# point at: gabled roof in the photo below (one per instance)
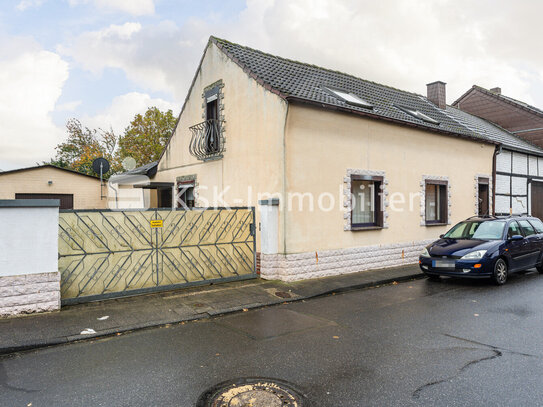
(37, 167)
(503, 98)
(297, 81)
(493, 131)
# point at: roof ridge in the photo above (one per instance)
(217, 39)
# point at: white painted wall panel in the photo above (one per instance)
(28, 241)
(540, 162)
(502, 204)
(520, 205)
(519, 186)
(520, 163)
(503, 161)
(532, 164)
(503, 184)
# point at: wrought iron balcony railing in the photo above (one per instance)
(207, 141)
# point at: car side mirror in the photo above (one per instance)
(516, 238)
(441, 236)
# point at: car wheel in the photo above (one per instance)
(433, 277)
(539, 268)
(500, 272)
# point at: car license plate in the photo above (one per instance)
(444, 264)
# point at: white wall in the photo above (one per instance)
(28, 240)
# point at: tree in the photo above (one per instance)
(143, 140)
(146, 136)
(83, 146)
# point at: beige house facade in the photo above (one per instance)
(73, 189)
(363, 176)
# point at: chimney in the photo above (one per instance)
(497, 91)
(435, 92)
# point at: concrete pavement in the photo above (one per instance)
(105, 318)
(419, 343)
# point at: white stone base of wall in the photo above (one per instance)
(301, 266)
(29, 293)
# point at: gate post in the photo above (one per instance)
(29, 276)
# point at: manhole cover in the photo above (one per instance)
(253, 392)
(282, 294)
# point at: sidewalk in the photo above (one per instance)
(132, 313)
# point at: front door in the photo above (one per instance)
(537, 199)
(483, 197)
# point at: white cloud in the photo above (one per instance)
(31, 82)
(122, 110)
(68, 106)
(162, 57)
(399, 43)
(133, 7)
(25, 4)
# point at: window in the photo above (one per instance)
(185, 195)
(526, 228)
(418, 114)
(537, 224)
(349, 98)
(212, 145)
(436, 203)
(366, 206)
(485, 230)
(514, 230)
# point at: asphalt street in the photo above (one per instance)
(450, 343)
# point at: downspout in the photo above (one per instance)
(284, 192)
(497, 150)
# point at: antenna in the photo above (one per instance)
(100, 166)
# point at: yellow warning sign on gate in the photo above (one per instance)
(158, 223)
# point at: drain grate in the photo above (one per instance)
(254, 392)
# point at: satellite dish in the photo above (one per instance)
(129, 163)
(100, 166)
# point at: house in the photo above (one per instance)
(347, 174)
(519, 167)
(74, 190)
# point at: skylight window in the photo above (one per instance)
(349, 98)
(418, 115)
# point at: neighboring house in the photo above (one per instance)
(519, 166)
(254, 123)
(73, 189)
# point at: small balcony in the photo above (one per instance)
(207, 142)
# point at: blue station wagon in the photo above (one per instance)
(486, 247)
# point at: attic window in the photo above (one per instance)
(349, 98)
(418, 115)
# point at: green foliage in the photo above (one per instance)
(83, 146)
(144, 139)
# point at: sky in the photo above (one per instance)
(103, 61)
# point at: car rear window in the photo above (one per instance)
(537, 224)
(526, 228)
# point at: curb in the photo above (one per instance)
(206, 315)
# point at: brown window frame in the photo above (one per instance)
(443, 200)
(378, 203)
